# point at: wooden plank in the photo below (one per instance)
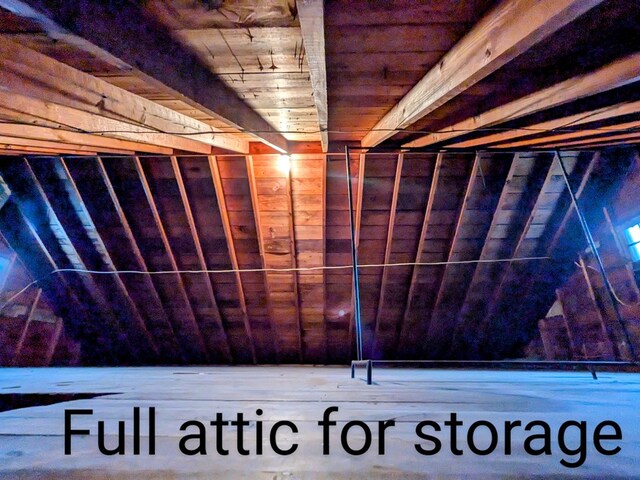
(153, 51)
(570, 121)
(508, 30)
(15, 106)
(69, 137)
(433, 330)
(25, 328)
(616, 74)
(226, 224)
(28, 143)
(423, 235)
(602, 139)
(201, 259)
(190, 321)
(33, 74)
(311, 15)
(387, 255)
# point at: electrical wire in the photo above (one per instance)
(262, 270)
(399, 130)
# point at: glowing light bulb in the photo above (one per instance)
(284, 164)
(341, 313)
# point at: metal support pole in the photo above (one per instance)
(354, 257)
(353, 370)
(369, 372)
(596, 254)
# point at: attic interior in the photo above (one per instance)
(175, 191)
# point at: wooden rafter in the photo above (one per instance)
(151, 49)
(65, 137)
(502, 279)
(82, 228)
(433, 331)
(387, 252)
(549, 126)
(488, 250)
(267, 282)
(224, 214)
(191, 322)
(404, 333)
(511, 28)
(616, 74)
(33, 74)
(311, 15)
(184, 197)
(595, 141)
(21, 108)
(357, 219)
(151, 298)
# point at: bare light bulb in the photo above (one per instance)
(284, 164)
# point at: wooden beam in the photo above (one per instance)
(311, 15)
(201, 259)
(98, 142)
(23, 150)
(26, 109)
(131, 35)
(66, 201)
(387, 254)
(559, 139)
(152, 300)
(357, 218)
(30, 73)
(616, 74)
(595, 141)
(224, 215)
(267, 283)
(508, 30)
(190, 322)
(28, 143)
(570, 121)
(404, 334)
(25, 328)
(433, 332)
(296, 275)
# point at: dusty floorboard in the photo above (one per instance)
(32, 439)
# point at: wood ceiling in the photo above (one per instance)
(147, 137)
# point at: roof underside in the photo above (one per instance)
(147, 139)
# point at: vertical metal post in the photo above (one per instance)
(354, 258)
(353, 369)
(369, 372)
(596, 254)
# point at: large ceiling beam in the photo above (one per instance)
(616, 74)
(122, 29)
(30, 73)
(557, 125)
(508, 30)
(311, 15)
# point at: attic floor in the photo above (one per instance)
(32, 439)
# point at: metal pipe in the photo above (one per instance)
(596, 254)
(354, 258)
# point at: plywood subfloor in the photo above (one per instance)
(32, 444)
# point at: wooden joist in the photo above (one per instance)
(616, 74)
(511, 28)
(202, 261)
(67, 137)
(132, 36)
(311, 14)
(549, 126)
